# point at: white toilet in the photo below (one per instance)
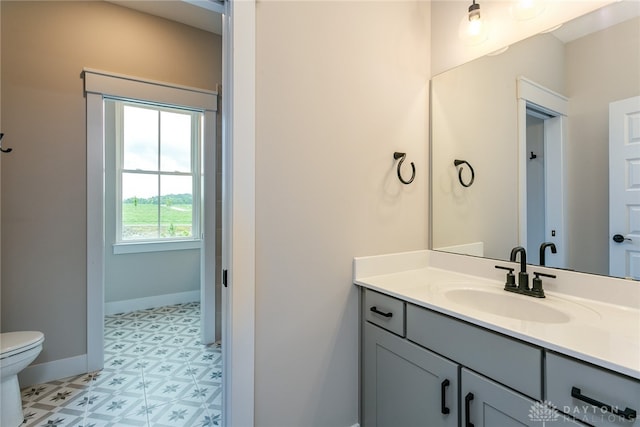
(17, 351)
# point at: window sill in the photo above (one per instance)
(140, 247)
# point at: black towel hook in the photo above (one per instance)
(457, 163)
(397, 155)
(4, 150)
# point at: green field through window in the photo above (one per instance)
(140, 221)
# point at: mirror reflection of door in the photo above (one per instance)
(624, 188)
(544, 192)
(535, 184)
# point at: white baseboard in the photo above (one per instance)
(127, 306)
(77, 365)
(55, 370)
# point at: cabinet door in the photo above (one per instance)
(485, 403)
(405, 385)
(593, 395)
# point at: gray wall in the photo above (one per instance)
(45, 46)
(141, 275)
(611, 56)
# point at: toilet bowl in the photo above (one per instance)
(17, 351)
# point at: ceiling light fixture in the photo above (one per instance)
(473, 27)
(474, 11)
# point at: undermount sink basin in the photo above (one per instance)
(502, 303)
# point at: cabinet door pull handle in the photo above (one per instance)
(381, 313)
(467, 404)
(628, 413)
(443, 397)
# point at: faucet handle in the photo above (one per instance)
(552, 276)
(537, 290)
(510, 282)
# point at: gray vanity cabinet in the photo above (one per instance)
(421, 368)
(488, 404)
(405, 385)
(514, 363)
(592, 394)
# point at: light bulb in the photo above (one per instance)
(473, 27)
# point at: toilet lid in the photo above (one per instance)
(17, 342)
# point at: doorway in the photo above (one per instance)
(100, 88)
(238, 216)
(543, 142)
(160, 204)
(541, 135)
(535, 184)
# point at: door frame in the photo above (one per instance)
(556, 106)
(238, 220)
(98, 85)
(238, 211)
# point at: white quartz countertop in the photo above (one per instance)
(603, 334)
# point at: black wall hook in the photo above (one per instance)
(397, 155)
(457, 163)
(4, 150)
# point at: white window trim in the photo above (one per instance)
(112, 85)
(122, 86)
(155, 246)
(196, 171)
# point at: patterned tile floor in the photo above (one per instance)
(156, 374)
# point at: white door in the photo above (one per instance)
(624, 188)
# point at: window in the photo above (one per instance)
(157, 172)
(114, 166)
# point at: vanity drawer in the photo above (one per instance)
(508, 361)
(385, 311)
(590, 386)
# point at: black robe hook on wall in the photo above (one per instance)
(4, 150)
(457, 163)
(402, 156)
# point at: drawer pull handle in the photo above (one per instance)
(381, 313)
(443, 398)
(628, 413)
(467, 403)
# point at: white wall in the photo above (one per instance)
(340, 86)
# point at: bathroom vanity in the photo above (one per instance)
(442, 344)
